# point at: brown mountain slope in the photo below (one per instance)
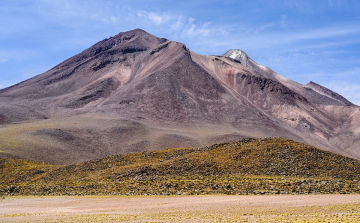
(135, 92)
(327, 92)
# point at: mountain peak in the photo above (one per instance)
(238, 55)
(135, 31)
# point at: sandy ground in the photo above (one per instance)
(182, 208)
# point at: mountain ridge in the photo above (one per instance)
(328, 92)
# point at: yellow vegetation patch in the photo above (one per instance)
(249, 166)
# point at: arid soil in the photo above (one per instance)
(344, 208)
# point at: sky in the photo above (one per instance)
(303, 40)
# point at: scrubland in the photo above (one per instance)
(293, 182)
(246, 167)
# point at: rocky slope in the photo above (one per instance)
(135, 92)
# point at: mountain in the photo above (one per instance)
(135, 92)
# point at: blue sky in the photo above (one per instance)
(303, 40)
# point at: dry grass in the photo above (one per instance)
(249, 166)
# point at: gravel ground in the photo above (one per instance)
(282, 208)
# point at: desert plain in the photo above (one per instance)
(254, 208)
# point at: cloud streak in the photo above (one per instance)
(179, 25)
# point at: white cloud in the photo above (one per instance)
(191, 20)
(283, 21)
(177, 24)
(300, 38)
(187, 27)
(260, 28)
(194, 30)
(191, 30)
(113, 18)
(265, 27)
(156, 18)
(327, 32)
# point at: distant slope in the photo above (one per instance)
(328, 92)
(249, 166)
(319, 95)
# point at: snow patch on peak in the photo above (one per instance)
(246, 61)
(236, 55)
(233, 55)
(262, 67)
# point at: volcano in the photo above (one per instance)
(135, 92)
